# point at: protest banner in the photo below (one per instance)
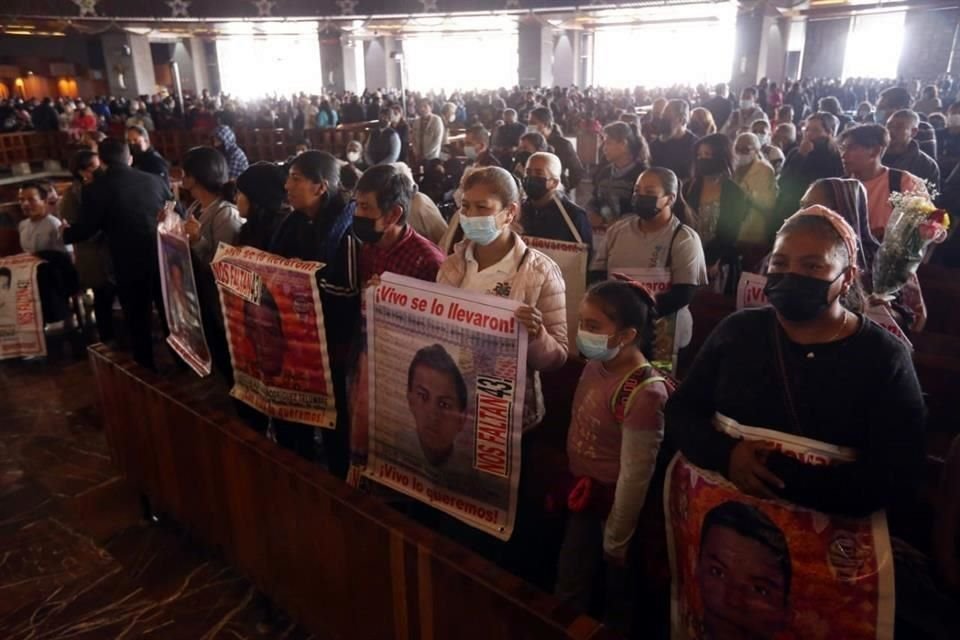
(750, 291)
(750, 294)
(746, 567)
(180, 300)
(572, 258)
(672, 332)
(274, 325)
(21, 317)
(447, 376)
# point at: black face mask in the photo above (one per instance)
(798, 298)
(365, 230)
(645, 206)
(710, 166)
(535, 187)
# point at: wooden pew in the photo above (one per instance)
(941, 293)
(340, 562)
(272, 145)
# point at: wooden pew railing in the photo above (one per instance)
(259, 144)
(340, 562)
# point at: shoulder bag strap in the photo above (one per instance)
(566, 217)
(784, 380)
(673, 239)
(895, 179)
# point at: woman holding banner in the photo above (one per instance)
(495, 260)
(658, 248)
(211, 219)
(319, 229)
(801, 406)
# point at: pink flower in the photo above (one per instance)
(928, 230)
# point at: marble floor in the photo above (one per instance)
(77, 558)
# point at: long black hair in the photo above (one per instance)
(208, 168)
(317, 167)
(671, 185)
(628, 132)
(630, 306)
(722, 148)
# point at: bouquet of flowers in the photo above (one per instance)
(914, 224)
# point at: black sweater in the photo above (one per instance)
(860, 392)
(327, 239)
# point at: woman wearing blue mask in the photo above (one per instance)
(493, 259)
(615, 434)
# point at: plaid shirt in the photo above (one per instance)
(412, 255)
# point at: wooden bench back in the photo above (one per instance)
(340, 562)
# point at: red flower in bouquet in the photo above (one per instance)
(940, 217)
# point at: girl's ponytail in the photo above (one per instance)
(630, 305)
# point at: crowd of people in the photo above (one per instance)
(693, 184)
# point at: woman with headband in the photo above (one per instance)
(807, 374)
(851, 382)
(848, 198)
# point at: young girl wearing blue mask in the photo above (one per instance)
(615, 434)
(493, 259)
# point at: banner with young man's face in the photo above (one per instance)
(447, 378)
(746, 567)
(21, 318)
(274, 326)
(180, 300)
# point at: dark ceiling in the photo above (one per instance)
(221, 9)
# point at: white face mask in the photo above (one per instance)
(744, 159)
(953, 120)
(352, 156)
(746, 104)
(532, 128)
(763, 138)
(471, 152)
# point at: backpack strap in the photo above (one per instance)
(895, 178)
(637, 379)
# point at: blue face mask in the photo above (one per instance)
(593, 346)
(480, 229)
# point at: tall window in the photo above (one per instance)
(663, 51)
(873, 45)
(465, 52)
(270, 58)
